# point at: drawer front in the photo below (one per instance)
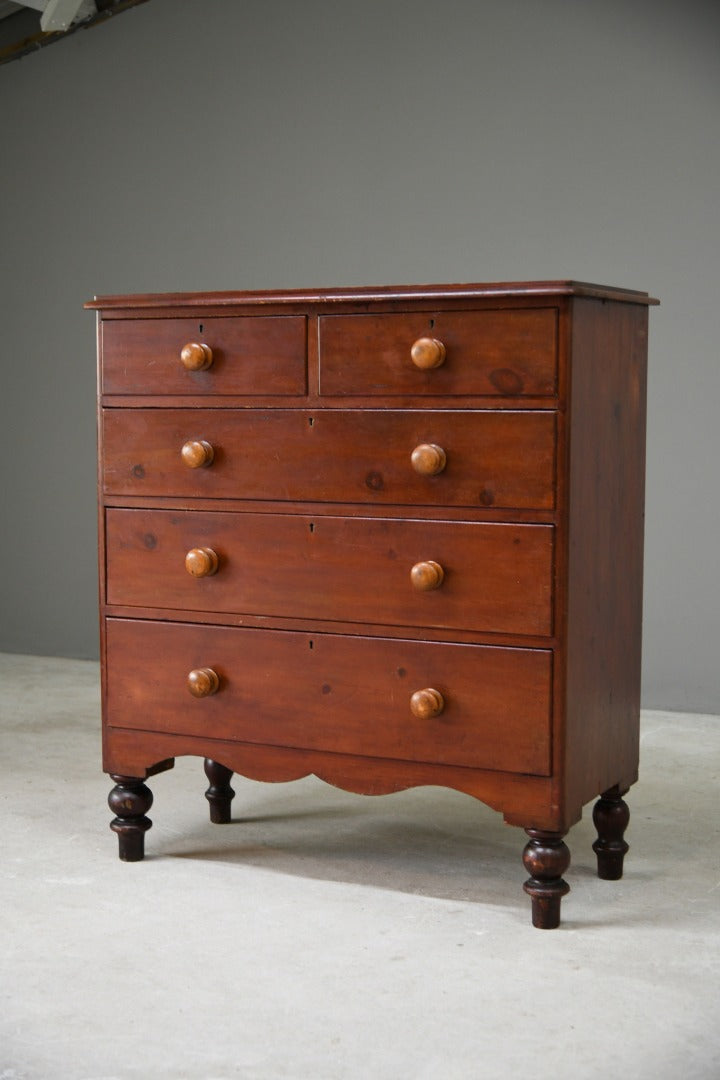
(254, 355)
(340, 694)
(503, 353)
(492, 577)
(501, 459)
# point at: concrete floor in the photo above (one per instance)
(325, 936)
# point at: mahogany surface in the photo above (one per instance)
(330, 690)
(388, 536)
(249, 356)
(496, 577)
(501, 459)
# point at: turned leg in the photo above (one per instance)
(219, 794)
(611, 815)
(546, 858)
(129, 800)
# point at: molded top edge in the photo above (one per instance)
(367, 293)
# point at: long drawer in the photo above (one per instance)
(496, 353)
(474, 576)
(482, 458)
(340, 694)
(254, 355)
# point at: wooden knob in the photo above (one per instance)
(197, 454)
(427, 575)
(427, 703)
(427, 353)
(201, 562)
(196, 357)
(203, 682)
(428, 459)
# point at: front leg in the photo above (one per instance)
(129, 800)
(546, 858)
(611, 815)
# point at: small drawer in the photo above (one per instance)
(476, 706)
(488, 458)
(450, 353)
(256, 355)
(494, 578)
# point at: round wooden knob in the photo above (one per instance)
(428, 459)
(197, 454)
(427, 575)
(427, 353)
(427, 703)
(196, 357)
(201, 562)
(203, 682)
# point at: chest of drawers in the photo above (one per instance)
(391, 537)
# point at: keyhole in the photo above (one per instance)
(312, 526)
(311, 420)
(311, 644)
(432, 323)
(201, 328)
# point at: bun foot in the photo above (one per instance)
(546, 857)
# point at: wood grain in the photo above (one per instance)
(249, 356)
(495, 577)
(333, 693)
(494, 459)
(485, 352)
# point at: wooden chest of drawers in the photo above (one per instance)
(388, 536)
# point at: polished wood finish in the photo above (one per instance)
(546, 858)
(494, 459)
(428, 353)
(219, 794)
(428, 459)
(130, 800)
(426, 704)
(382, 573)
(339, 691)
(197, 453)
(611, 815)
(427, 575)
(203, 682)
(199, 562)
(196, 356)
(248, 356)
(352, 570)
(452, 353)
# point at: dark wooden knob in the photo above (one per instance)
(197, 454)
(203, 682)
(196, 357)
(201, 562)
(427, 353)
(427, 575)
(427, 703)
(428, 459)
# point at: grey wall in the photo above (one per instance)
(217, 145)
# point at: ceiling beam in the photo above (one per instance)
(61, 14)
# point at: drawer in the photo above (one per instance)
(327, 692)
(505, 353)
(501, 459)
(492, 577)
(256, 355)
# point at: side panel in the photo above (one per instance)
(605, 547)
